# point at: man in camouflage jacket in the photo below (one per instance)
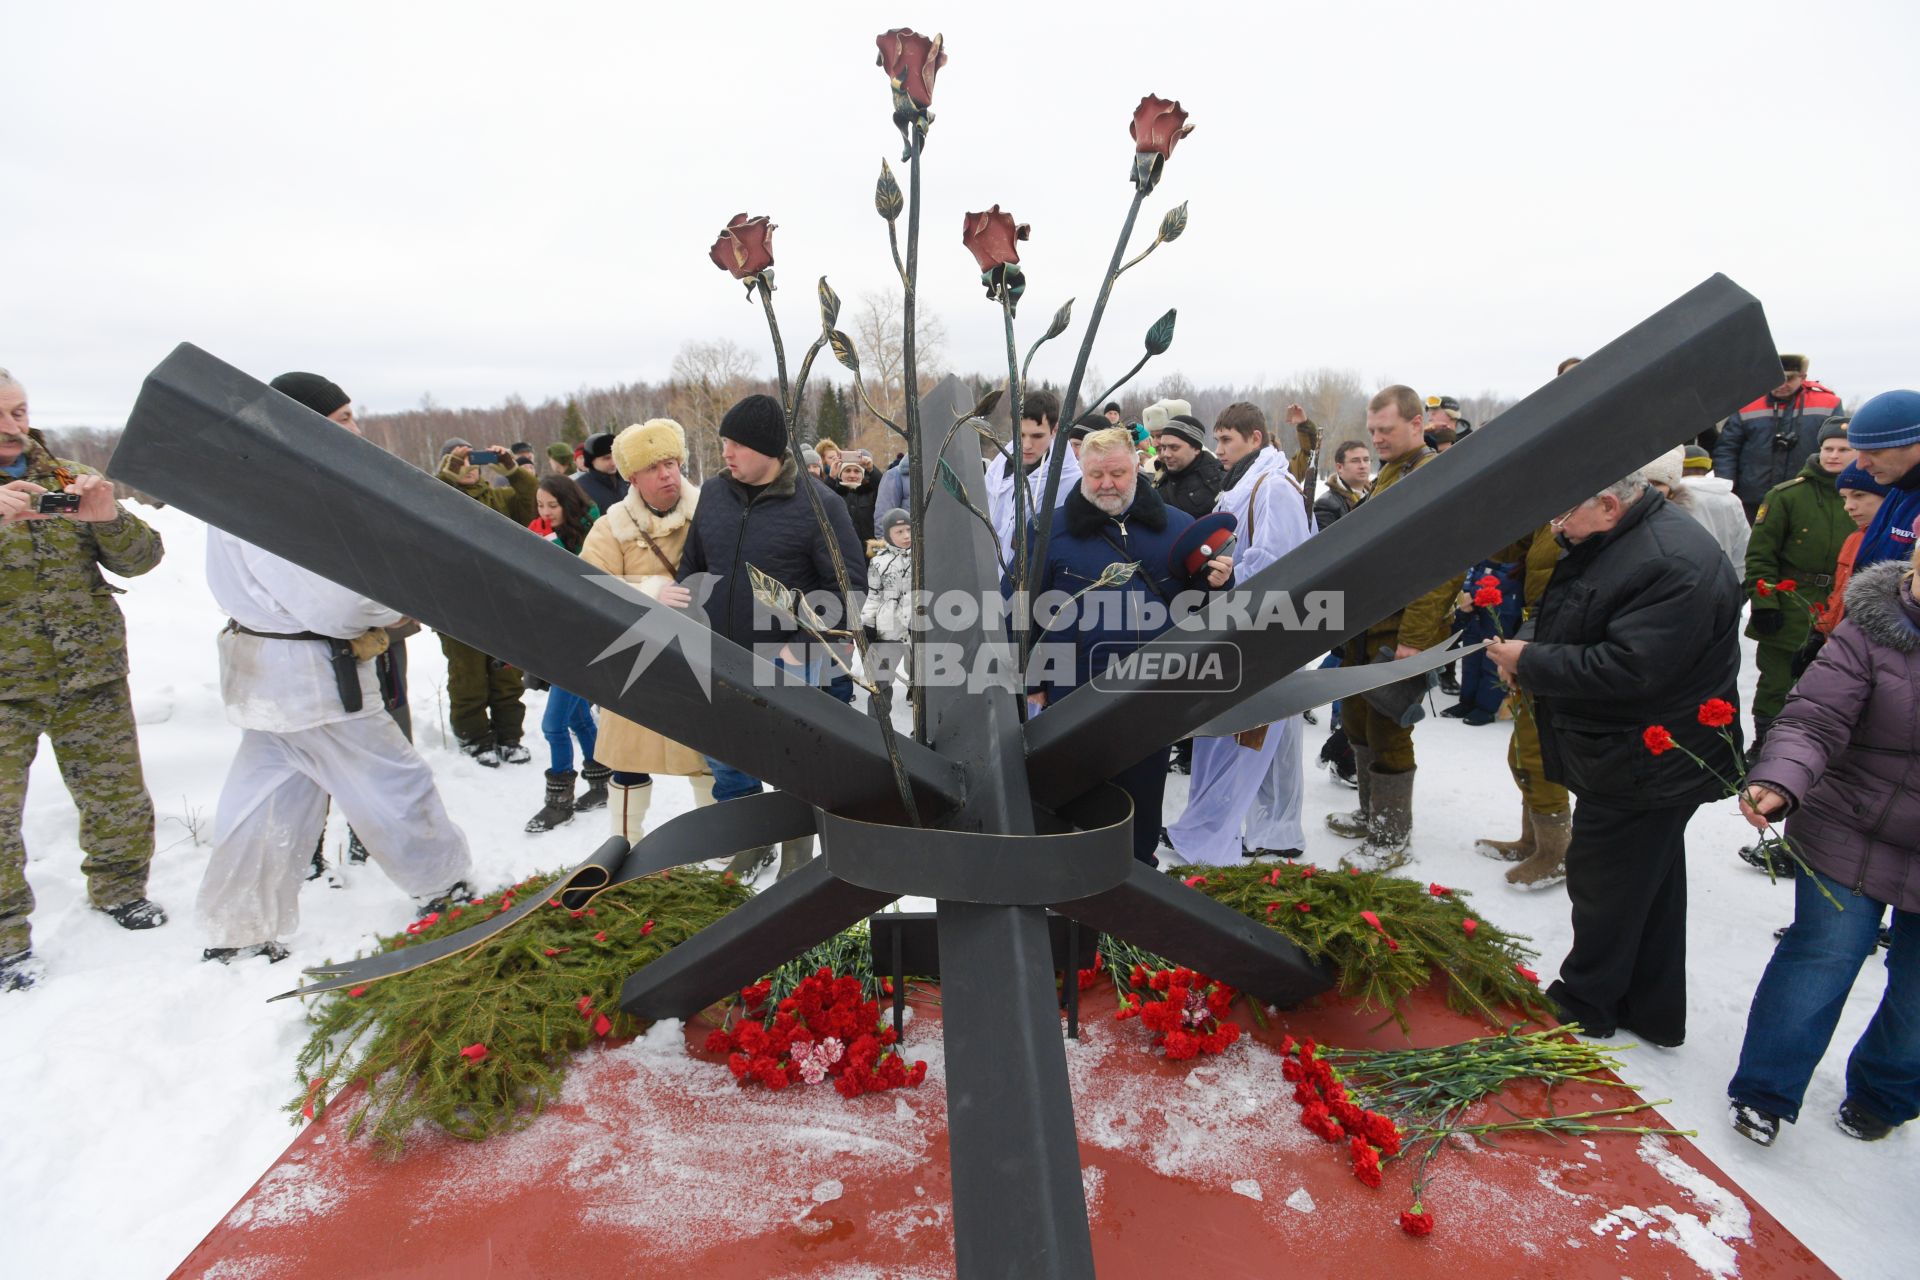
(63, 673)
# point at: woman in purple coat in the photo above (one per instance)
(1843, 760)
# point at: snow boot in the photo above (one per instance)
(795, 854)
(273, 951)
(20, 971)
(1510, 850)
(481, 751)
(558, 809)
(136, 913)
(1857, 1122)
(454, 893)
(1547, 865)
(514, 753)
(1391, 831)
(627, 806)
(749, 863)
(595, 775)
(1358, 824)
(1337, 754)
(1753, 1123)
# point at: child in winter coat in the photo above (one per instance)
(887, 614)
(1841, 760)
(565, 516)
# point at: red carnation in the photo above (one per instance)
(1194, 882)
(1306, 872)
(1785, 584)
(1487, 580)
(1487, 598)
(1763, 587)
(600, 936)
(602, 1025)
(1716, 712)
(1438, 890)
(1527, 973)
(356, 993)
(1416, 1223)
(1303, 906)
(744, 247)
(646, 928)
(474, 1052)
(1469, 924)
(1657, 739)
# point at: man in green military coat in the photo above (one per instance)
(484, 693)
(63, 673)
(1797, 535)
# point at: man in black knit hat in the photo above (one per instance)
(759, 515)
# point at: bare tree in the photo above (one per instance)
(708, 377)
(877, 331)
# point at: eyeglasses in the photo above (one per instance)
(1560, 521)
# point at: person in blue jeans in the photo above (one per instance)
(1841, 760)
(760, 513)
(564, 516)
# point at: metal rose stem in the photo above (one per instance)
(1043, 528)
(883, 699)
(916, 465)
(1019, 478)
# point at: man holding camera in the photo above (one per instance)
(63, 673)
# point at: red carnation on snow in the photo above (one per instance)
(1415, 1221)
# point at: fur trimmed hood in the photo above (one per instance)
(1880, 603)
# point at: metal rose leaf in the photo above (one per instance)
(771, 593)
(843, 350)
(886, 194)
(951, 483)
(1061, 319)
(988, 403)
(1160, 337)
(1173, 224)
(829, 305)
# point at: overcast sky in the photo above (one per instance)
(471, 200)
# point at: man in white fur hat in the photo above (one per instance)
(640, 540)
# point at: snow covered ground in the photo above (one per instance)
(143, 1087)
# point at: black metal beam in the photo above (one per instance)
(208, 438)
(1665, 380)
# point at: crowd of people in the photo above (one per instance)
(1790, 520)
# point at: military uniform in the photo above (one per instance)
(1797, 535)
(1421, 625)
(63, 673)
(484, 696)
(1540, 551)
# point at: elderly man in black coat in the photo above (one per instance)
(1638, 629)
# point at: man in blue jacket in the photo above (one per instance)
(1885, 435)
(759, 515)
(1108, 520)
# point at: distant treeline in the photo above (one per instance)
(1336, 399)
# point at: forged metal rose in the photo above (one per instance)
(1157, 125)
(911, 61)
(993, 238)
(745, 247)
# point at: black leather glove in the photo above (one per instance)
(1807, 652)
(1767, 622)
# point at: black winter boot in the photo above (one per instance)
(595, 775)
(558, 810)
